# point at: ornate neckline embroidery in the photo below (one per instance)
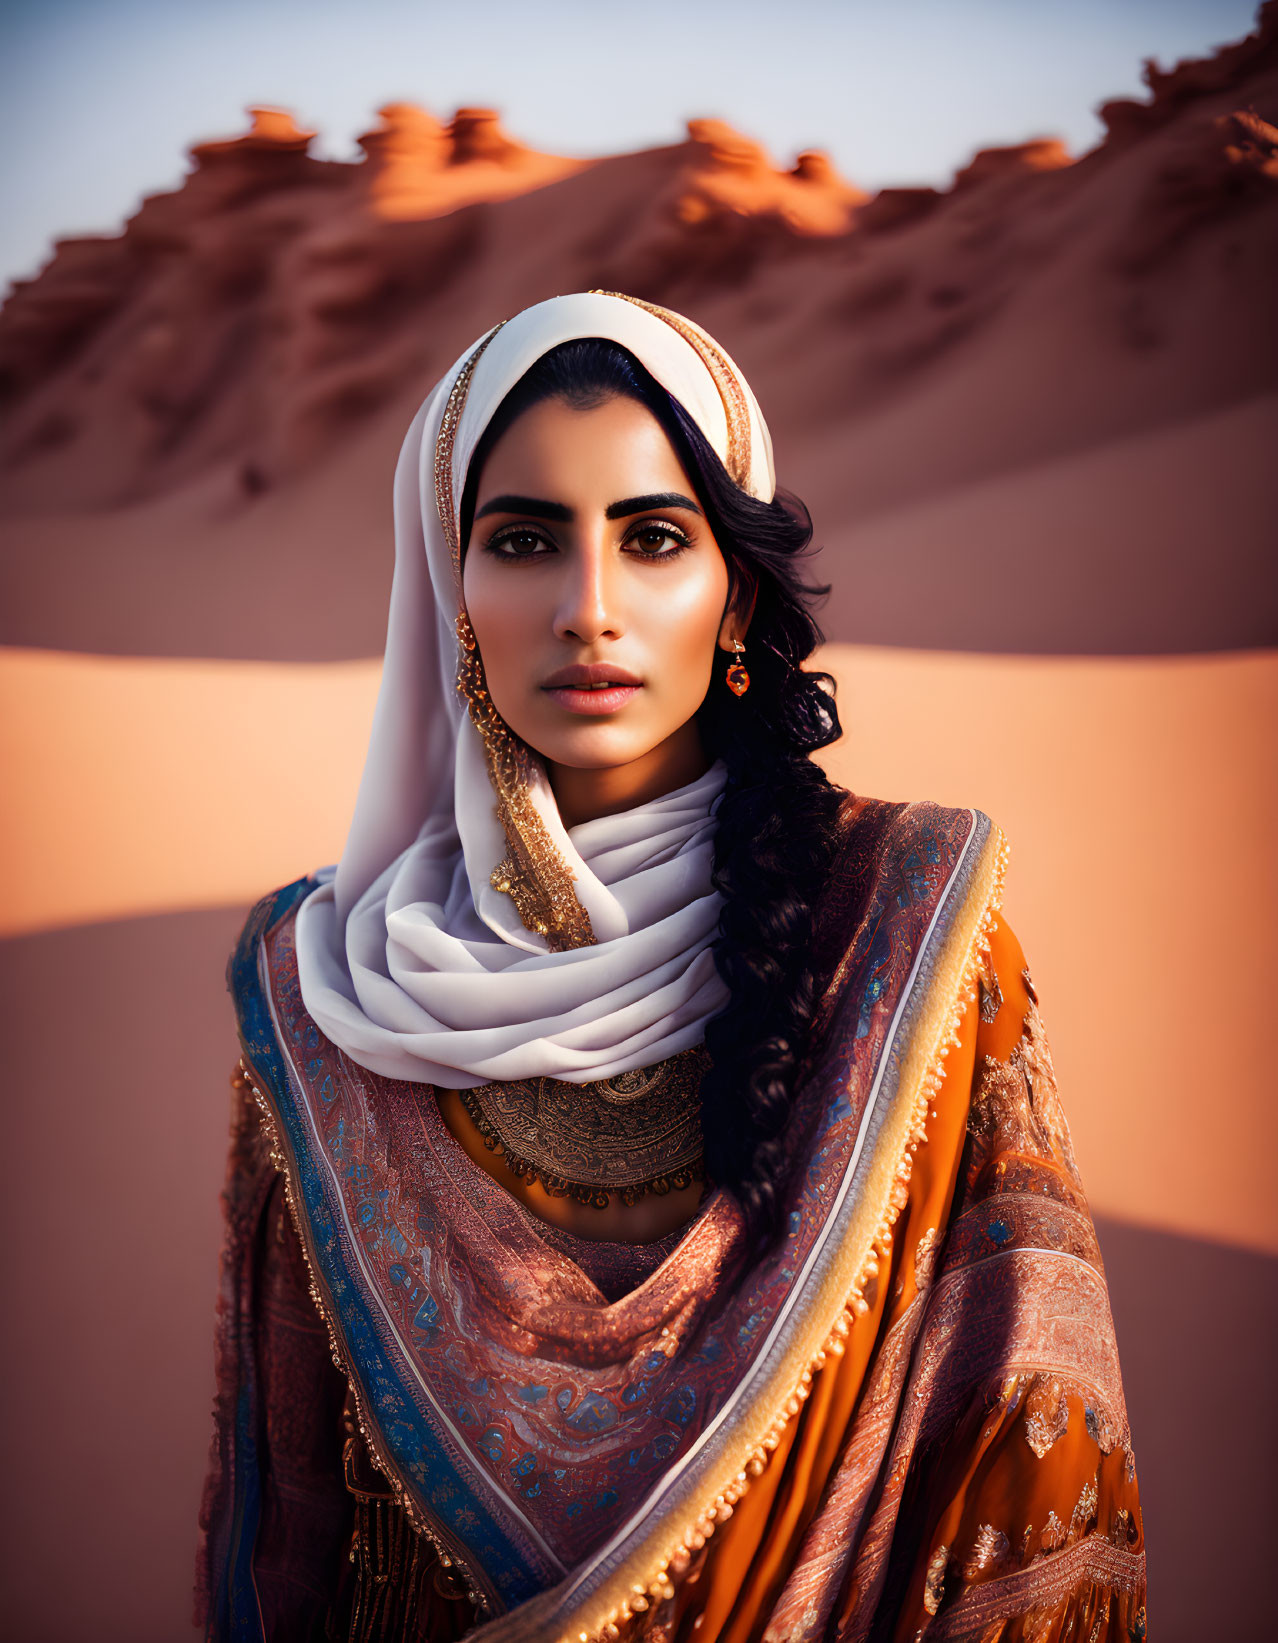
(635, 1134)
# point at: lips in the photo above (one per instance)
(593, 688)
(590, 676)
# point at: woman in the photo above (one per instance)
(673, 1159)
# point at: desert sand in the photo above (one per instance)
(222, 387)
(1034, 417)
(159, 753)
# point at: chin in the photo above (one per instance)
(601, 747)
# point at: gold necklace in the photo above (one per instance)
(631, 1135)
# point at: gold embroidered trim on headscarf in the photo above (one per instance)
(534, 874)
(445, 500)
(631, 1135)
(735, 407)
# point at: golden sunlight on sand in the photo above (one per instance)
(1138, 796)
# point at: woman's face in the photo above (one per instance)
(595, 589)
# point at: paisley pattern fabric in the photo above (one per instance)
(906, 1420)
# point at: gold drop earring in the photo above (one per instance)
(737, 679)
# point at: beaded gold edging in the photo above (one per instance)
(445, 500)
(604, 1625)
(242, 1079)
(534, 874)
(736, 410)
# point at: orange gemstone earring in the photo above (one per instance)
(738, 680)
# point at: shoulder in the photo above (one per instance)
(241, 968)
(881, 843)
(886, 833)
(253, 1013)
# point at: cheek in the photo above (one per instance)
(504, 627)
(680, 615)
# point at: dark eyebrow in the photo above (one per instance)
(650, 504)
(531, 505)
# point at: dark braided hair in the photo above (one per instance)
(775, 821)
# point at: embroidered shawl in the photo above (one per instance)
(905, 1420)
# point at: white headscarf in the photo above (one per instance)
(409, 958)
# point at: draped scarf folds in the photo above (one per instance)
(574, 1460)
(466, 934)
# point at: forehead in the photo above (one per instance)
(555, 448)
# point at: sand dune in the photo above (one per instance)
(156, 786)
(1166, 540)
(1162, 541)
(184, 402)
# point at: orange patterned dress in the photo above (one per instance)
(905, 1422)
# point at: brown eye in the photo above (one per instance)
(658, 541)
(518, 544)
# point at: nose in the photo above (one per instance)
(588, 608)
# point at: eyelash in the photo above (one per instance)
(678, 537)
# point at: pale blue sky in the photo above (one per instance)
(100, 98)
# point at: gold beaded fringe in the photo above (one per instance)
(658, 1586)
(534, 874)
(605, 1625)
(241, 1079)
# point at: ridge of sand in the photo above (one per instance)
(276, 319)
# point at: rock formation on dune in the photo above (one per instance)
(731, 176)
(233, 371)
(1042, 154)
(419, 167)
